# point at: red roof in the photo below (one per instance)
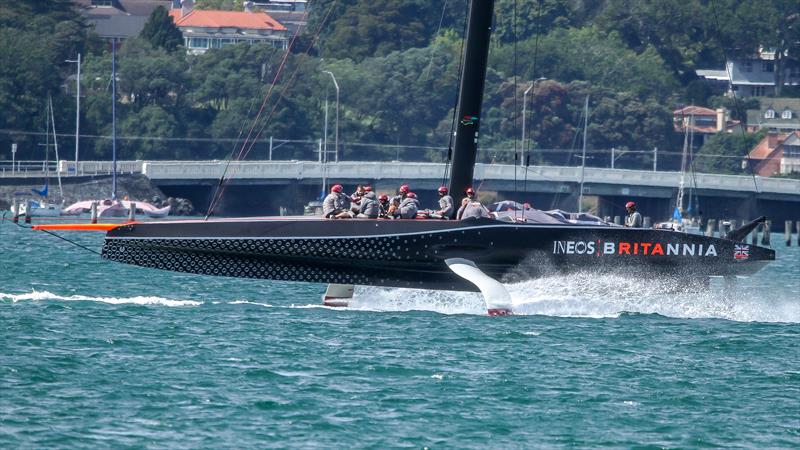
(694, 110)
(226, 19)
(767, 147)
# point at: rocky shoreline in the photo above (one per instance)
(133, 186)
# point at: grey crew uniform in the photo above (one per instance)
(408, 208)
(472, 209)
(335, 203)
(446, 206)
(369, 208)
(633, 220)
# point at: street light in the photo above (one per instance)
(524, 115)
(77, 109)
(336, 144)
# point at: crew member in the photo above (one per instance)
(355, 197)
(383, 202)
(471, 209)
(336, 204)
(369, 207)
(633, 219)
(402, 192)
(470, 194)
(446, 206)
(409, 206)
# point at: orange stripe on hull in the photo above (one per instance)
(80, 226)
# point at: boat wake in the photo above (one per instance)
(139, 300)
(594, 296)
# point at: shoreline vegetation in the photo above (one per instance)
(398, 76)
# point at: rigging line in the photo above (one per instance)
(516, 111)
(455, 102)
(736, 102)
(220, 185)
(433, 48)
(570, 153)
(526, 150)
(62, 238)
(243, 153)
(278, 72)
(228, 158)
(526, 146)
(289, 82)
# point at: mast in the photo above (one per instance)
(583, 155)
(470, 95)
(679, 201)
(114, 119)
(77, 113)
(55, 145)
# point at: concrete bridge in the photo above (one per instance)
(257, 187)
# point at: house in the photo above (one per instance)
(120, 19)
(703, 122)
(206, 29)
(751, 77)
(776, 114)
(293, 14)
(776, 154)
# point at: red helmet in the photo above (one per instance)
(443, 189)
(470, 191)
(367, 188)
(630, 205)
(411, 195)
(337, 188)
(404, 189)
(383, 198)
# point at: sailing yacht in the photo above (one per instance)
(44, 208)
(475, 254)
(680, 220)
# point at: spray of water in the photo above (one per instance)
(596, 296)
(139, 300)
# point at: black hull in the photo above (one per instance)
(411, 253)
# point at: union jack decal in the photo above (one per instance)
(741, 251)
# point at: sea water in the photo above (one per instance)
(100, 354)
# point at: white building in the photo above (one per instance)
(752, 77)
(205, 29)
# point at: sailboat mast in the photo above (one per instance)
(55, 145)
(114, 119)
(679, 201)
(470, 94)
(583, 155)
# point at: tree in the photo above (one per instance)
(360, 29)
(682, 32)
(537, 17)
(154, 123)
(726, 152)
(160, 31)
(589, 54)
(151, 76)
(37, 38)
(769, 25)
